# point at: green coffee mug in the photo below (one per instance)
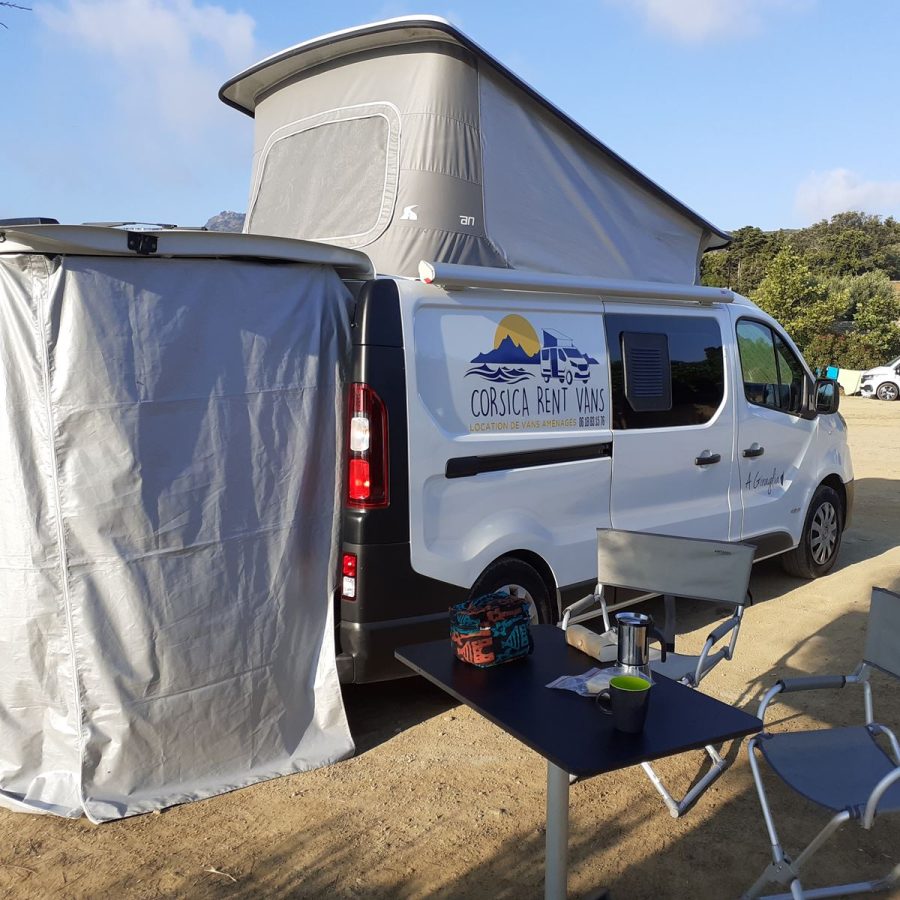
(626, 700)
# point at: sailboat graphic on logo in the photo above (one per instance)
(517, 352)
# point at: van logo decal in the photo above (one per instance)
(517, 345)
(554, 378)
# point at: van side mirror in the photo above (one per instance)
(827, 396)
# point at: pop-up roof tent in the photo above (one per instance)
(405, 139)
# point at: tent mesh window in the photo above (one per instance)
(326, 182)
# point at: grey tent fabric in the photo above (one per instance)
(681, 567)
(837, 768)
(483, 171)
(680, 665)
(551, 200)
(170, 434)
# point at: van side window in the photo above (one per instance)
(773, 376)
(791, 376)
(665, 371)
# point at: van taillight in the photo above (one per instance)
(348, 576)
(367, 449)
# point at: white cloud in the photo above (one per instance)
(164, 59)
(822, 194)
(694, 21)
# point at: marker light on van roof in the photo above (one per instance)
(367, 449)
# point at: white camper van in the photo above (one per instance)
(469, 472)
(556, 370)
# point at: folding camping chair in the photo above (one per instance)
(654, 564)
(843, 769)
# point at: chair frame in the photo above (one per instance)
(784, 870)
(709, 657)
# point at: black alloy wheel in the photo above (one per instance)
(521, 580)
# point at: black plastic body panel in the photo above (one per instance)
(378, 361)
(395, 606)
(770, 544)
(850, 489)
(468, 466)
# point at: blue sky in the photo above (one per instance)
(766, 112)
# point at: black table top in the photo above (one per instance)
(568, 729)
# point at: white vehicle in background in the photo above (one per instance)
(882, 382)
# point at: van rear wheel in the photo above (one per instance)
(817, 551)
(519, 579)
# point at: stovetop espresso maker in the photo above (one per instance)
(635, 631)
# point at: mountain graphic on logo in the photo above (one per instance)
(508, 353)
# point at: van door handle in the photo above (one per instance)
(707, 460)
(754, 450)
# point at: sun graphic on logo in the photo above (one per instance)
(519, 330)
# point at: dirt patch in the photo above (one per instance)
(440, 803)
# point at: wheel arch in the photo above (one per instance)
(539, 564)
(836, 484)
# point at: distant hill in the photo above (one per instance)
(226, 221)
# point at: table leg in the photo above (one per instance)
(669, 627)
(557, 847)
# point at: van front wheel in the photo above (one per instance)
(516, 578)
(817, 551)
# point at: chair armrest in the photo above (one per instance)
(721, 630)
(811, 683)
(712, 639)
(875, 728)
(804, 683)
(580, 606)
(876, 795)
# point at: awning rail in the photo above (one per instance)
(458, 277)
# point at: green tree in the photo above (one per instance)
(797, 298)
(742, 265)
(876, 320)
(849, 243)
(868, 333)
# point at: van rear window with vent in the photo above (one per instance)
(666, 371)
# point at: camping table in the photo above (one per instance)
(568, 730)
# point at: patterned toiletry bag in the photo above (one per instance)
(492, 629)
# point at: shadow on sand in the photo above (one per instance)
(720, 846)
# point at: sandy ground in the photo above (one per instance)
(440, 803)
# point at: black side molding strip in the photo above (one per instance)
(465, 466)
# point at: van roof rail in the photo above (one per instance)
(455, 277)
